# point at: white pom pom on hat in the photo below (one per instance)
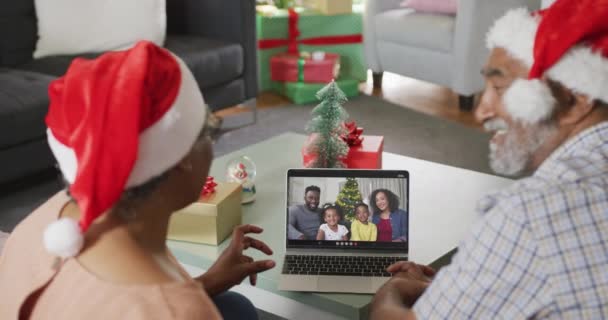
(63, 238)
(572, 51)
(529, 101)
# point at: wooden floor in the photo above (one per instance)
(406, 92)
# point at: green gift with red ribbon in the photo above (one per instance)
(302, 30)
(320, 67)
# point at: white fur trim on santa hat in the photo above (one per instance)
(63, 238)
(515, 32)
(66, 158)
(529, 101)
(163, 144)
(583, 71)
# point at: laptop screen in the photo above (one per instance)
(348, 209)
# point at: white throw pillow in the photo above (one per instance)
(81, 26)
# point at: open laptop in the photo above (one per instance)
(342, 265)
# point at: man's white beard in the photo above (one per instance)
(514, 156)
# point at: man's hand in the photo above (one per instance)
(232, 267)
(395, 299)
(397, 295)
(412, 271)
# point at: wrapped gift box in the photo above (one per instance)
(340, 34)
(330, 7)
(320, 67)
(368, 155)
(211, 219)
(305, 93)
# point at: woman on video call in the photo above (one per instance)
(391, 221)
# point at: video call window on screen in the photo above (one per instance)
(350, 211)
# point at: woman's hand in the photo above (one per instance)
(232, 267)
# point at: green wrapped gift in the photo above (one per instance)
(305, 93)
(311, 31)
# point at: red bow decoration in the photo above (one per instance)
(293, 33)
(353, 138)
(209, 187)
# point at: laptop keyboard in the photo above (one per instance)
(339, 265)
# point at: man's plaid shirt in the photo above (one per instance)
(540, 249)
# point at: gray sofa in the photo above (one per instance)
(215, 38)
(442, 49)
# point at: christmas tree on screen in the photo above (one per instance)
(348, 197)
(327, 128)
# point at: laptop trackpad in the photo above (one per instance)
(344, 284)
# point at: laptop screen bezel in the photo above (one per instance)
(346, 173)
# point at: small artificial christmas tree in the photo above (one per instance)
(327, 128)
(348, 197)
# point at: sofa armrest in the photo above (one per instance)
(227, 20)
(373, 8)
(474, 19)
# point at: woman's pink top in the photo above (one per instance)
(71, 292)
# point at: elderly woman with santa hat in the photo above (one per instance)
(540, 247)
(128, 132)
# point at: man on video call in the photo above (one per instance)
(304, 219)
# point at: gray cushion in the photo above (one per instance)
(23, 106)
(213, 62)
(228, 94)
(25, 159)
(420, 30)
(18, 31)
(53, 65)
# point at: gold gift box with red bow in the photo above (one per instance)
(211, 219)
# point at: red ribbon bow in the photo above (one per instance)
(353, 138)
(292, 42)
(209, 187)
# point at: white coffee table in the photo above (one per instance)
(442, 209)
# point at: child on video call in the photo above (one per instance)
(331, 230)
(363, 230)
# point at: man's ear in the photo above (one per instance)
(579, 109)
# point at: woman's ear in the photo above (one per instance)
(185, 164)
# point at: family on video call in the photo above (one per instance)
(382, 220)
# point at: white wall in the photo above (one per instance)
(330, 187)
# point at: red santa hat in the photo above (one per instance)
(567, 42)
(115, 122)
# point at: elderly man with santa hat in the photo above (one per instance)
(540, 247)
